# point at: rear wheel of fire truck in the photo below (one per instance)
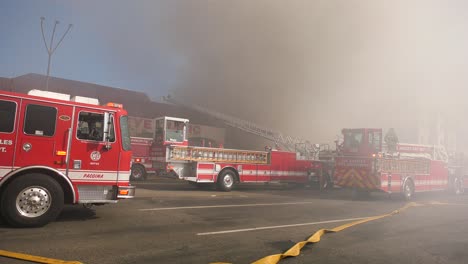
(32, 200)
(226, 180)
(408, 190)
(458, 186)
(138, 172)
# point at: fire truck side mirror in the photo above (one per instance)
(107, 129)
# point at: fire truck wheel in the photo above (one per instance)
(226, 180)
(32, 200)
(458, 186)
(408, 190)
(138, 172)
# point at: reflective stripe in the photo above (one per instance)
(4, 172)
(88, 175)
(205, 171)
(288, 173)
(260, 173)
(98, 175)
(394, 183)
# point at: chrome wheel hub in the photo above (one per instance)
(228, 180)
(33, 201)
(408, 190)
(137, 173)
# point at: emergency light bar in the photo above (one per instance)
(116, 105)
(65, 97)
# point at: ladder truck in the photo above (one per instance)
(142, 133)
(365, 164)
(225, 167)
(362, 162)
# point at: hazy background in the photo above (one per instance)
(308, 68)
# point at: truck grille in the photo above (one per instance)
(91, 193)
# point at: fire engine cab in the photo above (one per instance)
(226, 167)
(57, 150)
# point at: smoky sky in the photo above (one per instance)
(308, 68)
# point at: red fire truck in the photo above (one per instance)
(142, 134)
(226, 167)
(141, 138)
(142, 158)
(57, 150)
(364, 165)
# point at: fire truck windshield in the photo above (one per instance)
(352, 140)
(125, 133)
(175, 131)
(375, 141)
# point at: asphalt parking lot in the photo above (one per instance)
(173, 222)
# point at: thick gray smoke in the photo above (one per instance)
(310, 68)
(313, 67)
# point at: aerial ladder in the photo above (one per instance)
(290, 143)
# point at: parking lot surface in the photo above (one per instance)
(173, 222)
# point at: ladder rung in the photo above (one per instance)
(183, 153)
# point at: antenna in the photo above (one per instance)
(50, 48)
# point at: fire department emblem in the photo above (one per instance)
(95, 156)
(64, 118)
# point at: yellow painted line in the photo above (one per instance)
(35, 259)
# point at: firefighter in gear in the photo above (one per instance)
(392, 140)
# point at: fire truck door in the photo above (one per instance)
(93, 158)
(43, 134)
(8, 114)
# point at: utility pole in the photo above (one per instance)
(50, 48)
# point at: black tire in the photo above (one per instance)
(138, 172)
(226, 180)
(408, 190)
(31, 200)
(458, 186)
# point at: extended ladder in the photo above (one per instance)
(288, 142)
